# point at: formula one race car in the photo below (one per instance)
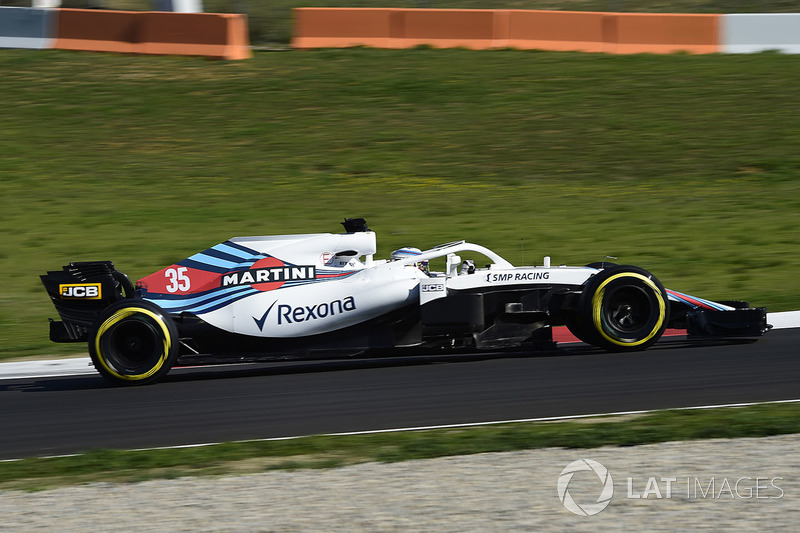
(325, 295)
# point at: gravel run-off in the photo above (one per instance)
(514, 491)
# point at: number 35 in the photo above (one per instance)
(178, 280)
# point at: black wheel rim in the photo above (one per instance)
(132, 346)
(630, 312)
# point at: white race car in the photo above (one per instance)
(325, 295)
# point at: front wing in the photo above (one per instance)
(704, 318)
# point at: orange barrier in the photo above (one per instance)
(625, 33)
(399, 28)
(221, 36)
(663, 34)
(477, 29)
(98, 31)
(581, 31)
(342, 27)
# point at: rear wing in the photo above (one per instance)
(80, 291)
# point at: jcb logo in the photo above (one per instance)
(83, 291)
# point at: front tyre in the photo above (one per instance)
(623, 308)
(133, 342)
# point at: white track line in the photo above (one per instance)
(785, 320)
(478, 424)
(73, 366)
(77, 366)
(445, 426)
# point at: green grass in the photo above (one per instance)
(685, 165)
(270, 22)
(332, 451)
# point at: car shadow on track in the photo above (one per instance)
(55, 384)
(255, 369)
(260, 369)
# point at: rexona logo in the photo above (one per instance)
(288, 314)
(80, 291)
(268, 274)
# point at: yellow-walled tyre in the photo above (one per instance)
(134, 342)
(623, 308)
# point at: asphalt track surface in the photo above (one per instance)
(73, 414)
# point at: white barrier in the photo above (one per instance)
(179, 6)
(747, 34)
(25, 27)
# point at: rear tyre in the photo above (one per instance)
(623, 308)
(133, 342)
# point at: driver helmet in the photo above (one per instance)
(410, 251)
